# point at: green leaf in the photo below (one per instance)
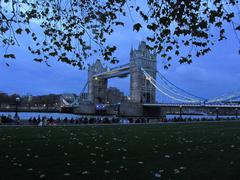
(38, 59)
(27, 30)
(144, 16)
(238, 28)
(152, 26)
(53, 53)
(19, 31)
(9, 56)
(119, 23)
(177, 52)
(137, 26)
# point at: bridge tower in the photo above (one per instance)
(97, 87)
(142, 90)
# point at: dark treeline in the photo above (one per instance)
(29, 100)
(8, 99)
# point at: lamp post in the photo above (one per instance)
(236, 111)
(118, 109)
(217, 113)
(16, 110)
(180, 111)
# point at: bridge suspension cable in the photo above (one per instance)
(165, 80)
(175, 91)
(172, 92)
(225, 98)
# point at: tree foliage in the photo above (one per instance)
(75, 30)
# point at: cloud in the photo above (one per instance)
(191, 73)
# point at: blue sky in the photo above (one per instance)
(212, 75)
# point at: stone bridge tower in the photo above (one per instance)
(142, 90)
(97, 87)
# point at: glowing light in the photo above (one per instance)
(148, 78)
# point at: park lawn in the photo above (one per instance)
(149, 151)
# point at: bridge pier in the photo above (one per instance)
(129, 109)
(126, 109)
(85, 108)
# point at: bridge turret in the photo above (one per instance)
(141, 89)
(131, 52)
(97, 87)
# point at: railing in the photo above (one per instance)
(194, 105)
(30, 109)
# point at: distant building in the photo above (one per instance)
(28, 97)
(115, 96)
(83, 96)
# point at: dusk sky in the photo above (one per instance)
(210, 76)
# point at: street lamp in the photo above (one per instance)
(16, 110)
(118, 109)
(217, 113)
(180, 112)
(236, 110)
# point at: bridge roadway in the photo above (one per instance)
(167, 108)
(120, 71)
(193, 105)
(128, 109)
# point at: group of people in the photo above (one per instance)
(9, 119)
(45, 121)
(84, 120)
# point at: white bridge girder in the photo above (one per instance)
(120, 71)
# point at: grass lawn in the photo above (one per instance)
(160, 151)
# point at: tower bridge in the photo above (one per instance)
(141, 90)
(145, 83)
